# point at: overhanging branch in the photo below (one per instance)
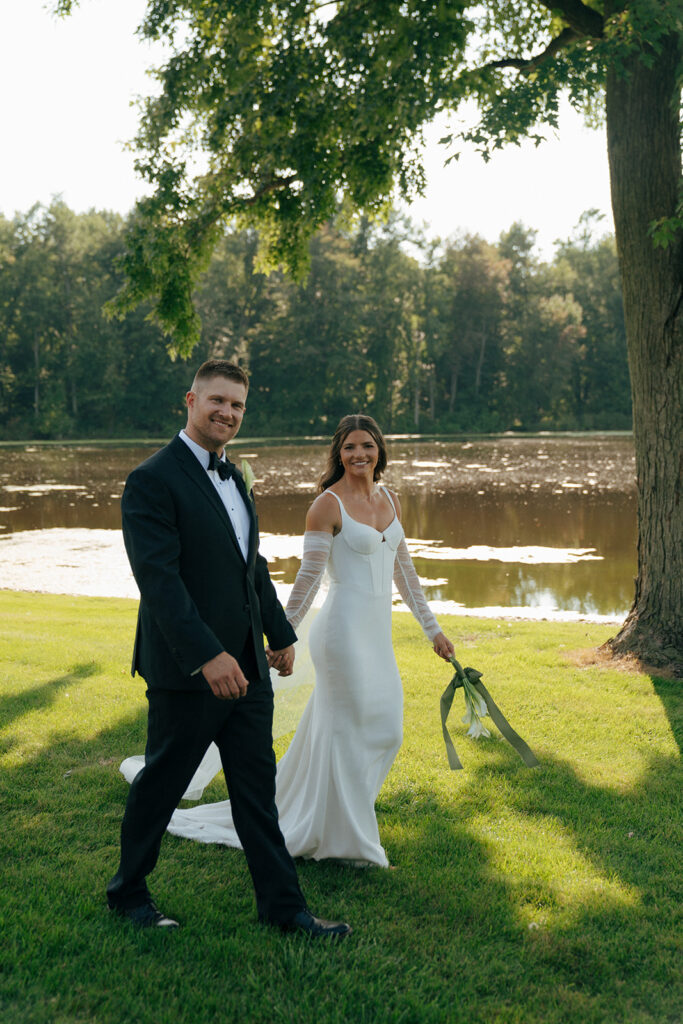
(582, 22)
(270, 186)
(585, 21)
(566, 36)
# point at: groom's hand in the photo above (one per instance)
(282, 660)
(225, 677)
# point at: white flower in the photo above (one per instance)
(477, 729)
(248, 474)
(475, 709)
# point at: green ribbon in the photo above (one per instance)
(497, 717)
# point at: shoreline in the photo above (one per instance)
(438, 607)
(93, 563)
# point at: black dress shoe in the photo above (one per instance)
(145, 916)
(306, 923)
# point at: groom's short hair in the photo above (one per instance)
(221, 368)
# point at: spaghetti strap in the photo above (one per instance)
(382, 488)
(348, 516)
(388, 494)
(341, 503)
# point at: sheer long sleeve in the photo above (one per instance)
(317, 546)
(408, 586)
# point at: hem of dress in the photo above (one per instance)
(347, 862)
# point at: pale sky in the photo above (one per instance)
(67, 88)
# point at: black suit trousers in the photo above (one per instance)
(181, 725)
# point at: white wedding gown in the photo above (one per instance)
(329, 778)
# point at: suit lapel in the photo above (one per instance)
(253, 519)
(190, 464)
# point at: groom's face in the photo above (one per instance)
(215, 408)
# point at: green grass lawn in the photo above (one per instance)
(549, 895)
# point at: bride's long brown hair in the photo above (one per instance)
(334, 470)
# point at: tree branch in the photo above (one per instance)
(585, 21)
(270, 186)
(566, 36)
(582, 21)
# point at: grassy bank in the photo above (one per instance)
(550, 895)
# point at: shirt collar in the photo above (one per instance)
(201, 454)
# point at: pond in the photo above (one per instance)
(543, 526)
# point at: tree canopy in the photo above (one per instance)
(276, 113)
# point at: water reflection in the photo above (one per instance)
(572, 494)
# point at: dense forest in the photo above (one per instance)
(456, 336)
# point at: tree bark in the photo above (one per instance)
(643, 137)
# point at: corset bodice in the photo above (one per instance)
(362, 556)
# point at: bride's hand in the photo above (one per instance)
(282, 661)
(443, 646)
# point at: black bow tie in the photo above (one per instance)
(224, 469)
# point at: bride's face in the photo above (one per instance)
(359, 454)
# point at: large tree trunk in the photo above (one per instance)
(643, 135)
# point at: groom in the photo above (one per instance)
(206, 600)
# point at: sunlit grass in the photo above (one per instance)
(547, 895)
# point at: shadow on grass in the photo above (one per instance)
(603, 949)
(13, 706)
(670, 692)
(445, 937)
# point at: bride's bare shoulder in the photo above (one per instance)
(324, 514)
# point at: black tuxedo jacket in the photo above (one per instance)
(198, 596)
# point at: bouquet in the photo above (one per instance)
(478, 704)
(475, 705)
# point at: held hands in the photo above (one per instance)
(443, 646)
(282, 661)
(225, 677)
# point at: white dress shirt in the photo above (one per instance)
(228, 493)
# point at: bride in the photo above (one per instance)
(350, 732)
